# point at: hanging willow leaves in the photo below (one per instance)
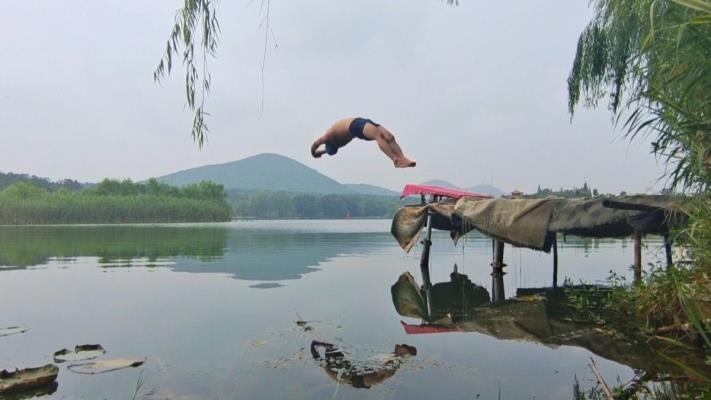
(195, 22)
(651, 60)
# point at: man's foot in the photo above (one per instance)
(404, 163)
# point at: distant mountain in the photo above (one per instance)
(261, 172)
(486, 189)
(483, 188)
(441, 183)
(363, 188)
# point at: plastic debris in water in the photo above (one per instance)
(12, 330)
(80, 353)
(28, 379)
(103, 366)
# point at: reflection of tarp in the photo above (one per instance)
(532, 222)
(407, 298)
(426, 329)
(452, 299)
(542, 318)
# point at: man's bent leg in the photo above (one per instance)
(399, 158)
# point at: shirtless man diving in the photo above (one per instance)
(343, 131)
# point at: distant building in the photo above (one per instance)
(516, 194)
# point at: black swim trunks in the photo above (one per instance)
(357, 125)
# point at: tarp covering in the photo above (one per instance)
(440, 191)
(533, 222)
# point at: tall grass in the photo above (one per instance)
(22, 204)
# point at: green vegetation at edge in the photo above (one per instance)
(650, 60)
(574, 193)
(113, 201)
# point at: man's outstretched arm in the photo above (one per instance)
(315, 152)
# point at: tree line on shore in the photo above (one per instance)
(273, 205)
(113, 201)
(28, 199)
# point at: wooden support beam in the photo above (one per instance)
(497, 273)
(637, 257)
(555, 261)
(425, 259)
(668, 250)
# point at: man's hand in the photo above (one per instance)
(314, 149)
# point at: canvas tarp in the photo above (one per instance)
(532, 222)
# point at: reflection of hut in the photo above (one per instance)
(450, 300)
(543, 318)
(535, 223)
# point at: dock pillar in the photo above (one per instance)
(637, 257)
(555, 261)
(497, 273)
(425, 259)
(667, 249)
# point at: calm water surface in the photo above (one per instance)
(213, 308)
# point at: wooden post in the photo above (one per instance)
(637, 257)
(667, 249)
(555, 261)
(497, 273)
(425, 259)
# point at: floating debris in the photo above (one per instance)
(28, 379)
(258, 343)
(266, 285)
(12, 330)
(80, 353)
(304, 324)
(103, 366)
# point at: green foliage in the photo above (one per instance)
(113, 201)
(697, 236)
(265, 204)
(650, 58)
(574, 193)
(7, 179)
(195, 21)
(642, 308)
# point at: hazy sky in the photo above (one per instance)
(472, 93)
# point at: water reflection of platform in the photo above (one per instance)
(540, 316)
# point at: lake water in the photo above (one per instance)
(213, 307)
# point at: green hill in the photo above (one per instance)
(486, 189)
(267, 171)
(483, 188)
